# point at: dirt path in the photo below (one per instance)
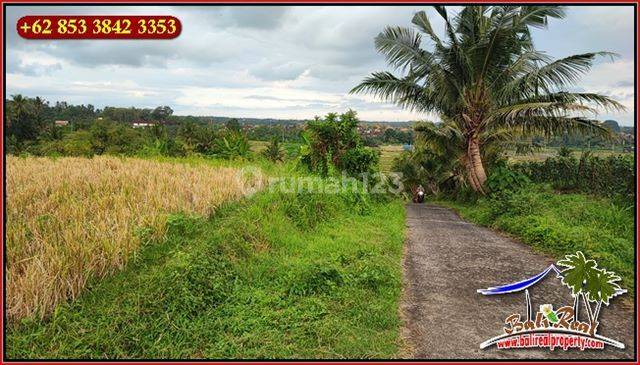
(448, 259)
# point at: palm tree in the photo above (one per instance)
(20, 121)
(447, 143)
(486, 75)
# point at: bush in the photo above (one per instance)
(274, 151)
(561, 224)
(234, 144)
(359, 160)
(504, 180)
(334, 145)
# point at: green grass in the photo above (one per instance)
(275, 276)
(560, 224)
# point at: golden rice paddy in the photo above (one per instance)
(73, 219)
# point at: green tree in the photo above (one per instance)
(20, 119)
(161, 113)
(441, 149)
(233, 125)
(333, 144)
(232, 145)
(485, 75)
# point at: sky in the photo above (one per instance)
(284, 62)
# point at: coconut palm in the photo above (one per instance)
(485, 74)
(445, 145)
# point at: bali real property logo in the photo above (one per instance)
(560, 328)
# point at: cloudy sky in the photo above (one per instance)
(273, 62)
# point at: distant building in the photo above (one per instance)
(142, 124)
(61, 123)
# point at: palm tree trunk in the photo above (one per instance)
(475, 169)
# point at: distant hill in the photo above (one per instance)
(272, 121)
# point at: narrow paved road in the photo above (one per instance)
(448, 259)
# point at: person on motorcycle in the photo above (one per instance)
(420, 194)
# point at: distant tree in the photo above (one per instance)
(233, 144)
(161, 113)
(233, 125)
(334, 145)
(24, 118)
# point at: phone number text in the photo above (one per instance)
(98, 27)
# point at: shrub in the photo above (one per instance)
(333, 145)
(274, 151)
(234, 144)
(503, 180)
(359, 160)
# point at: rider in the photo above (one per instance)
(420, 194)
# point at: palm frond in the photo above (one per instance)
(401, 47)
(554, 75)
(537, 16)
(421, 20)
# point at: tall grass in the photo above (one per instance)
(73, 219)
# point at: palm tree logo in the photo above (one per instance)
(590, 283)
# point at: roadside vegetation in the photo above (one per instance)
(560, 224)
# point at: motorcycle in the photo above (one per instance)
(420, 197)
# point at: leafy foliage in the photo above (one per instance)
(333, 145)
(561, 224)
(232, 145)
(503, 180)
(274, 151)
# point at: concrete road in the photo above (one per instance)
(448, 259)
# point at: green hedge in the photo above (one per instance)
(612, 176)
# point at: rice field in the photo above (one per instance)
(388, 153)
(70, 220)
